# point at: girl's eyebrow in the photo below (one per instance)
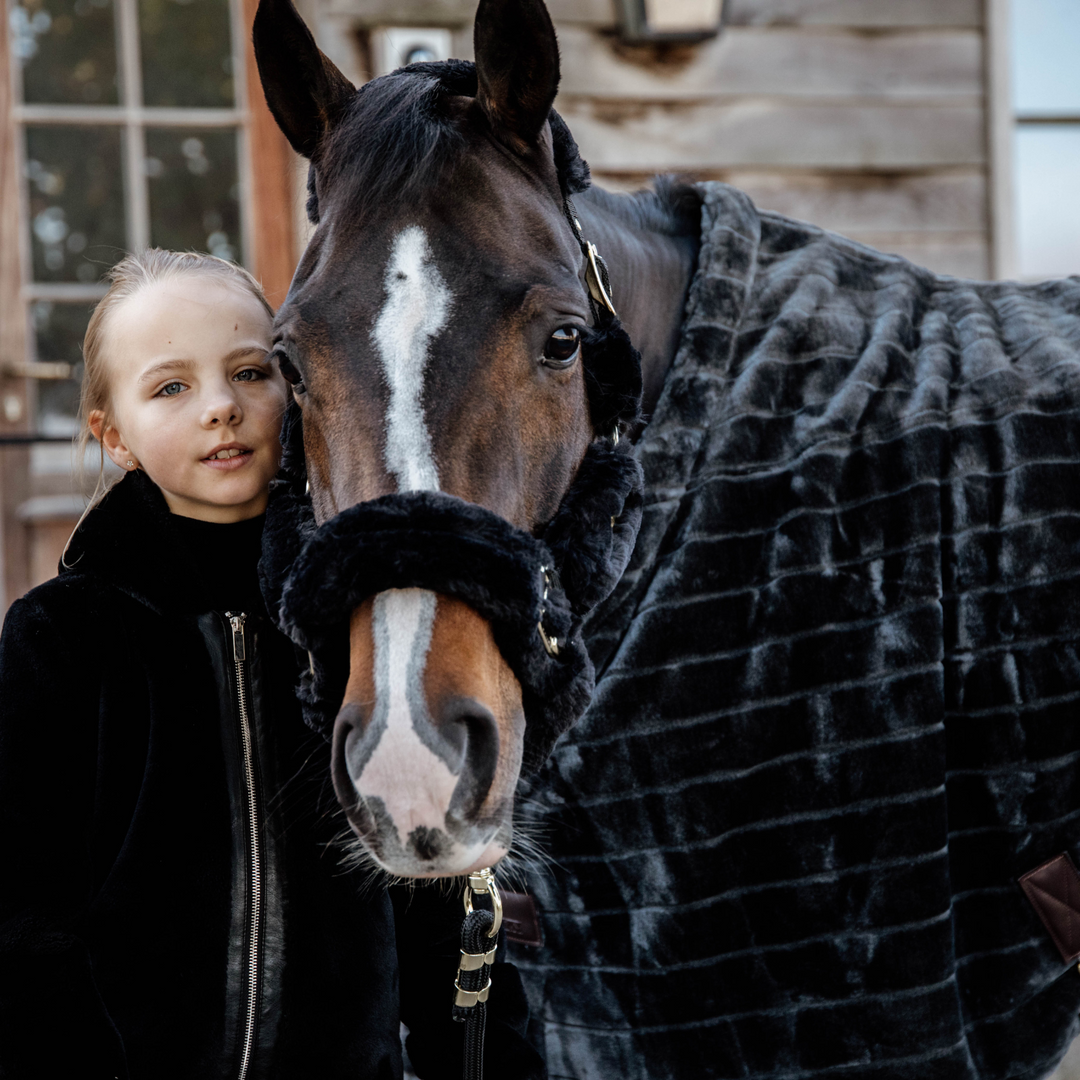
(152, 374)
(167, 367)
(248, 350)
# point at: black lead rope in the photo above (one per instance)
(479, 939)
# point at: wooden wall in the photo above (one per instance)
(38, 512)
(865, 116)
(14, 484)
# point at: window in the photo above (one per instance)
(132, 124)
(1045, 42)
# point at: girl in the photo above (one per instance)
(168, 903)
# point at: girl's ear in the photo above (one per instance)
(111, 440)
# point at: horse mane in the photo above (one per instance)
(672, 207)
(397, 137)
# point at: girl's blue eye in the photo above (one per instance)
(250, 375)
(171, 389)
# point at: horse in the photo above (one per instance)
(829, 727)
(452, 365)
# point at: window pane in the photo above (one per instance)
(186, 53)
(1048, 210)
(67, 49)
(194, 193)
(1046, 44)
(76, 201)
(59, 330)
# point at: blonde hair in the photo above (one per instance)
(130, 276)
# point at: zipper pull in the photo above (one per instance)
(237, 624)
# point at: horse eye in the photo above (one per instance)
(562, 346)
(289, 370)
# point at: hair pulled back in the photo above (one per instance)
(130, 276)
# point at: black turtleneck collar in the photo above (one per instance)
(168, 562)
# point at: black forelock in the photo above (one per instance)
(397, 137)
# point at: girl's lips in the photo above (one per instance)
(229, 464)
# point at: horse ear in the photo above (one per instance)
(517, 65)
(305, 91)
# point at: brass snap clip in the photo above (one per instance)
(480, 883)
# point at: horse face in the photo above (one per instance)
(429, 335)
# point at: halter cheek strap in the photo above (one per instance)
(597, 277)
(612, 364)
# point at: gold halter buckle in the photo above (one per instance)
(594, 280)
(551, 644)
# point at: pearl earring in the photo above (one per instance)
(130, 463)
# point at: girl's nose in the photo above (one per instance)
(222, 410)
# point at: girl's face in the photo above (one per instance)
(195, 403)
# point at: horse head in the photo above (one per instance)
(434, 336)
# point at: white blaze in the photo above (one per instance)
(413, 782)
(416, 309)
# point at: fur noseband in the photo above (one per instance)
(314, 577)
(431, 540)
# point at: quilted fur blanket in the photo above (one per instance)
(836, 716)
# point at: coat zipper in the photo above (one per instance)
(236, 621)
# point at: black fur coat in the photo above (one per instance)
(836, 709)
(124, 858)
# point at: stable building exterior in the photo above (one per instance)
(890, 121)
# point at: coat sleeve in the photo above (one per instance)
(428, 922)
(52, 1018)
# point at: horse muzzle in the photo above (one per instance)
(438, 705)
(428, 744)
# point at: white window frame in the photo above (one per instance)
(1000, 138)
(132, 117)
(1003, 120)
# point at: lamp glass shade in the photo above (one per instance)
(683, 16)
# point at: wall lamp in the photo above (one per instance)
(669, 20)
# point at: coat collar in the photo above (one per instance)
(127, 541)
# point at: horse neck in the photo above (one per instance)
(650, 275)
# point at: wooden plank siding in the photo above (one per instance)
(865, 133)
(861, 13)
(14, 461)
(694, 136)
(936, 218)
(870, 14)
(903, 66)
(864, 116)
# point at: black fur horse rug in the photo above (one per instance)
(836, 717)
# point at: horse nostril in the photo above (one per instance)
(348, 728)
(469, 728)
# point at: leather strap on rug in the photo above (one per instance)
(1054, 891)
